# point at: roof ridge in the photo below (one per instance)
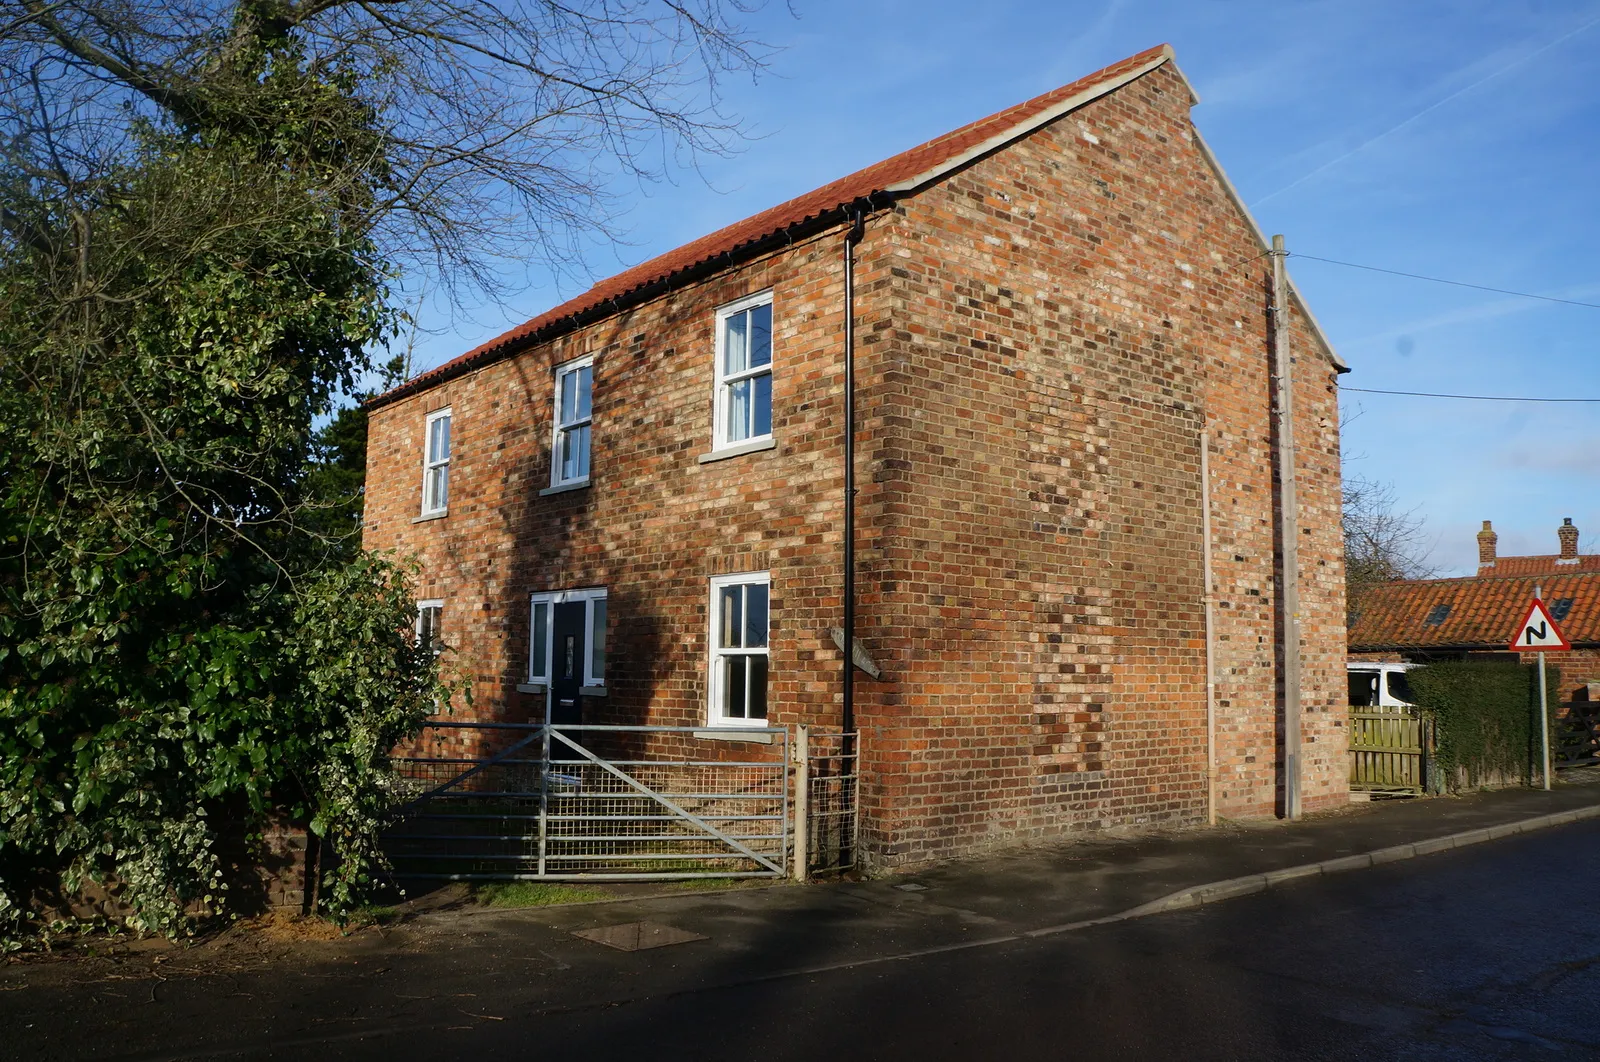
(898, 174)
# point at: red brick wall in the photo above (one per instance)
(1061, 321)
(1043, 336)
(655, 524)
(1579, 668)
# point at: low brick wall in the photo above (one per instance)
(265, 871)
(283, 875)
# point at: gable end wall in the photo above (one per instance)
(1064, 317)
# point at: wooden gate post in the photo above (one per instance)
(802, 802)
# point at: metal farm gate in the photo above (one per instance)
(505, 801)
(827, 779)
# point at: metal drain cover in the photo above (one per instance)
(638, 936)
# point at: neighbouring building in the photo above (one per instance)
(1051, 306)
(1421, 620)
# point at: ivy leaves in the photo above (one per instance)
(180, 646)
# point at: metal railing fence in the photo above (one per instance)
(506, 801)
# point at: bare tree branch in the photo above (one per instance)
(503, 123)
(1382, 542)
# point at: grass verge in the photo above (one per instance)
(534, 894)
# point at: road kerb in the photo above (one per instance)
(1304, 870)
(1228, 888)
(1393, 854)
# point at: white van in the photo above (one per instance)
(1375, 685)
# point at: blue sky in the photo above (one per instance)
(1457, 140)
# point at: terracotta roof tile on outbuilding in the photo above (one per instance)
(1472, 613)
(896, 175)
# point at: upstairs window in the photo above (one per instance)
(744, 371)
(569, 451)
(739, 655)
(436, 463)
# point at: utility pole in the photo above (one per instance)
(1289, 530)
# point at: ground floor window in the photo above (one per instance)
(430, 624)
(739, 620)
(567, 637)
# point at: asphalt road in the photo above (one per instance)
(1488, 952)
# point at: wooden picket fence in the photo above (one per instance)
(1386, 750)
(1390, 749)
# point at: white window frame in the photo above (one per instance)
(433, 603)
(560, 428)
(720, 402)
(430, 464)
(714, 654)
(550, 600)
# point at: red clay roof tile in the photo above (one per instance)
(830, 198)
(1550, 564)
(1484, 612)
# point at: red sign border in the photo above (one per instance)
(1538, 605)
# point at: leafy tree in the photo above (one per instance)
(204, 210)
(336, 474)
(174, 643)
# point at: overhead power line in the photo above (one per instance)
(1452, 283)
(1468, 398)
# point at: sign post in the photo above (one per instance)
(1538, 631)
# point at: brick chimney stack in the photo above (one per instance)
(1487, 540)
(1569, 540)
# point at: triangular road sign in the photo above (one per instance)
(1538, 630)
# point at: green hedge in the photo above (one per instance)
(1484, 726)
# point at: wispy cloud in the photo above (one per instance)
(1086, 44)
(1430, 108)
(1487, 311)
(1580, 457)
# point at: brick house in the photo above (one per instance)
(1050, 305)
(1451, 619)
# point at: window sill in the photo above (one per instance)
(562, 488)
(722, 453)
(530, 687)
(425, 517)
(756, 737)
(591, 691)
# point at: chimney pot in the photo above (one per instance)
(1569, 539)
(1487, 540)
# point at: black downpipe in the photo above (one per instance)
(851, 239)
(847, 743)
